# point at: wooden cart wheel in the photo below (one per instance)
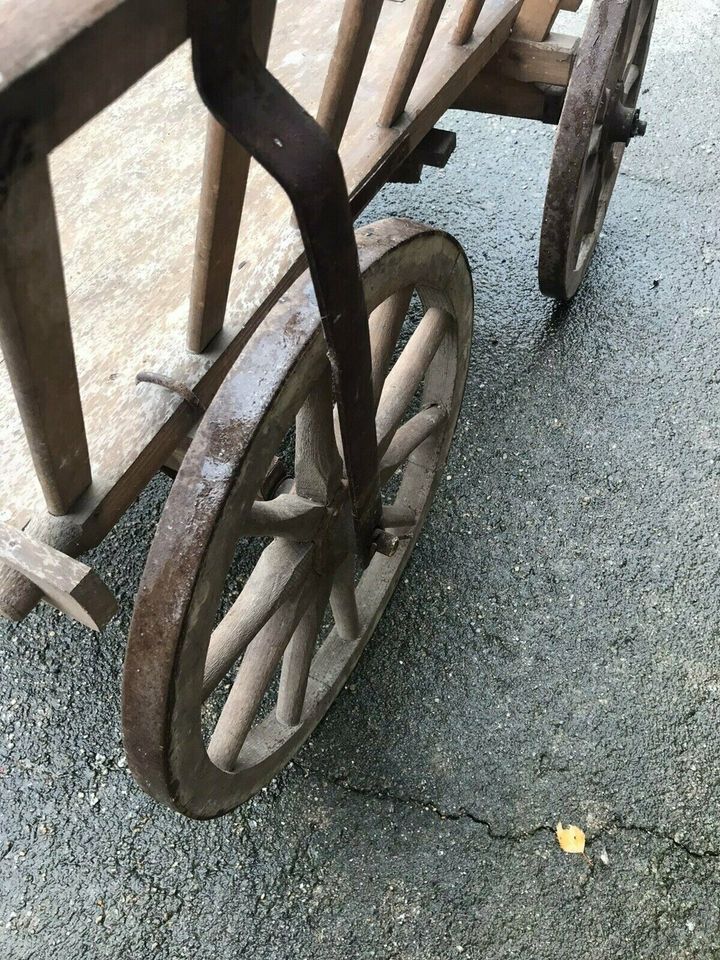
(202, 733)
(598, 120)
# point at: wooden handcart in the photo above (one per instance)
(301, 381)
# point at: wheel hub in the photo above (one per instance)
(624, 123)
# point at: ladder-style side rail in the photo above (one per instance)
(224, 182)
(357, 28)
(36, 338)
(422, 28)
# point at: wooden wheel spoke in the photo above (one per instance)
(397, 517)
(343, 600)
(318, 465)
(636, 28)
(287, 515)
(632, 75)
(595, 139)
(385, 324)
(278, 577)
(586, 204)
(407, 374)
(297, 660)
(256, 670)
(409, 437)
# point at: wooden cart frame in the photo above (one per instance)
(218, 411)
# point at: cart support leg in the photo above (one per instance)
(35, 335)
(250, 103)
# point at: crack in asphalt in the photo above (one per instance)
(428, 806)
(708, 854)
(425, 805)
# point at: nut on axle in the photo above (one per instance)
(625, 124)
(385, 543)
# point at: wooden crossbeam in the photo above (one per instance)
(537, 61)
(491, 93)
(68, 584)
(36, 338)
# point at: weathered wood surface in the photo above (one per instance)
(69, 585)
(128, 225)
(355, 33)
(489, 93)
(419, 37)
(537, 61)
(467, 20)
(36, 338)
(536, 17)
(50, 49)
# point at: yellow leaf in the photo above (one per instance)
(571, 839)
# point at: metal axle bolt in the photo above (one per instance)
(386, 543)
(639, 126)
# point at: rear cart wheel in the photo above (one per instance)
(598, 120)
(215, 705)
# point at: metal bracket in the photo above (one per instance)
(270, 124)
(434, 150)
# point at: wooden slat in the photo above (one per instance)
(417, 42)
(357, 26)
(225, 175)
(467, 20)
(69, 585)
(536, 18)
(36, 339)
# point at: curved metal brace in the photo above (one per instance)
(271, 125)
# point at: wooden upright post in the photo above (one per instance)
(413, 53)
(357, 27)
(36, 339)
(536, 18)
(225, 174)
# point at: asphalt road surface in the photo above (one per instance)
(551, 653)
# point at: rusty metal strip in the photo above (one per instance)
(259, 112)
